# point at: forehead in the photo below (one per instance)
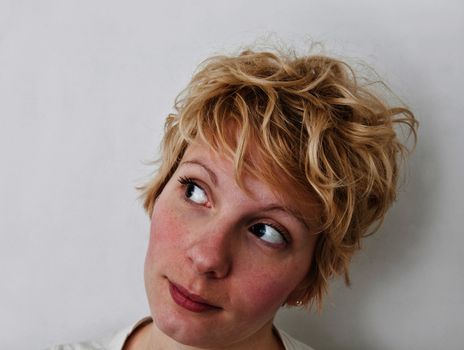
(221, 168)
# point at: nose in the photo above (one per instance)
(211, 254)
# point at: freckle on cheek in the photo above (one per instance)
(265, 293)
(164, 231)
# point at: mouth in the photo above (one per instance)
(189, 301)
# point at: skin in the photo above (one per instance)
(204, 237)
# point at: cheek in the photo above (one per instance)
(265, 291)
(165, 237)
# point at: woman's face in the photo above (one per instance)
(221, 261)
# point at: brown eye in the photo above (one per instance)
(268, 234)
(193, 192)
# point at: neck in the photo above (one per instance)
(148, 337)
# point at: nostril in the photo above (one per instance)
(210, 261)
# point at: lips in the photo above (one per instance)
(189, 301)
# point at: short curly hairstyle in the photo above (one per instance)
(310, 119)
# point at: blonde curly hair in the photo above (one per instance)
(309, 119)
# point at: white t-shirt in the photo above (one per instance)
(117, 340)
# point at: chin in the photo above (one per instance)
(202, 329)
(184, 332)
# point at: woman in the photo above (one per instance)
(272, 170)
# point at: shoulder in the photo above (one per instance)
(114, 341)
(90, 345)
(291, 343)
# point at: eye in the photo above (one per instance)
(268, 234)
(193, 191)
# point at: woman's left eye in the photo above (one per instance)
(194, 192)
(268, 234)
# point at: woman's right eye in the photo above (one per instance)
(193, 191)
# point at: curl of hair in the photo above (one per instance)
(310, 119)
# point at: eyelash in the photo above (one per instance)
(283, 232)
(185, 181)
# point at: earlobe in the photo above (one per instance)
(298, 296)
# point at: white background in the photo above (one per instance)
(84, 88)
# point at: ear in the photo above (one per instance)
(299, 296)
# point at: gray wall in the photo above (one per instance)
(84, 88)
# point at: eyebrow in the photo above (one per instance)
(272, 207)
(288, 211)
(211, 173)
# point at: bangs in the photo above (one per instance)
(248, 130)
